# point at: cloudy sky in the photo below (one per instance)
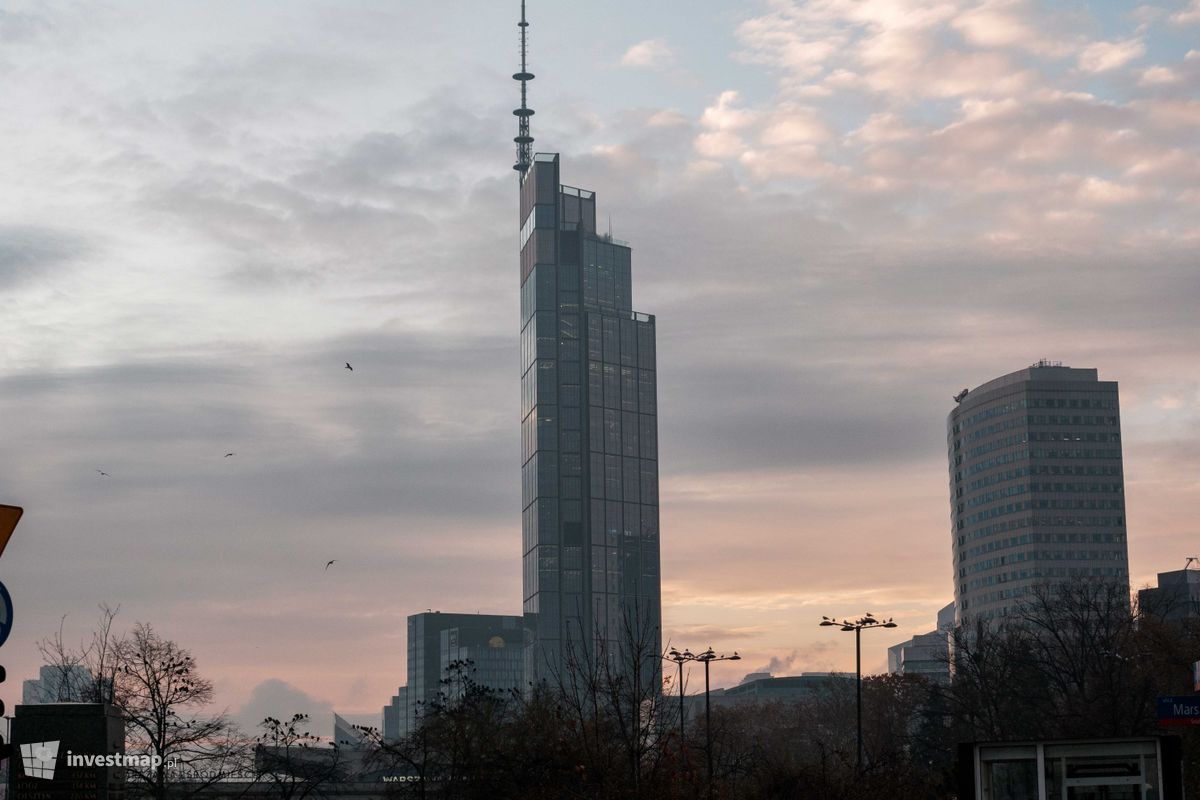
(842, 212)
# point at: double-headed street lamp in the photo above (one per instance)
(858, 626)
(708, 656)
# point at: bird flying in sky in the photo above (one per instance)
(349, 367)
(330, 563)
(227, 455)
(103, 473)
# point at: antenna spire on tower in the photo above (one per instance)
(523, 139)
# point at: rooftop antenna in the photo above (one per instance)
(523, 139)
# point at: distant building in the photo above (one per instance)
(1037, 492)
(493, 642)
(345, 734)
(761, 687)
(1176, 598)
(926, 654)
(68, 684)
(395, 716)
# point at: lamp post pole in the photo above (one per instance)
(858, 625)
(708, 656)
(858, 691)
(679, 659)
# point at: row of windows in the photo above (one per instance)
(995, 461)
(1037, 402)
(1037, 538)
(1056, 521)
(1039, 574)
(554, 287)
(1071, 436)
(609, 387)
(611, 432)
(1007, 441)
(989, 497)
(613, 477)
(1076, 452)
(1079, 505)
(564, 611)
(999, 477)
(1041, 555)
(628, 479)
(623, 433)
(1091, 470)
(602, 559)
(994, 411)
(991, 513)
(1040, 419)
(1077, 488)
(626, 388)
(1074, 419)
(1040, 436)
(620, 340)
(1079, 402)
(613, 523)
(547, 582)
(1015, 422)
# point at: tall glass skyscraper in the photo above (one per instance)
(589, 436)
(1037, 492)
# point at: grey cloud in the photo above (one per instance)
(280, 699)
(28, 252)
(18, 26)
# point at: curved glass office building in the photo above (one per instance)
(1037, 492)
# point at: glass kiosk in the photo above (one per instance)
(1109, 769)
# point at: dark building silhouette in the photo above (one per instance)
(589, 434)
(1175, 599)
(1037, 492)
(395, 716)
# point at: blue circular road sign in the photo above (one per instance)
(6, 613)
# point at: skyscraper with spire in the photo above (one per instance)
(589, 430)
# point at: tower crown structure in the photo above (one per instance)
(523, 139)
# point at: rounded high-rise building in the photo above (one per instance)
(1037, 493)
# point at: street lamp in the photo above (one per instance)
(708, 656)
(679, 659)
(858, 626)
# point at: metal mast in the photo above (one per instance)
(523, 139)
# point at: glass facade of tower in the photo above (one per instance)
(589, 435)
(1037, 492)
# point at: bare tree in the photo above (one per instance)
(86, 673)
(159, 690)
(288, 759)
(612, 689)
(1073, 659)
